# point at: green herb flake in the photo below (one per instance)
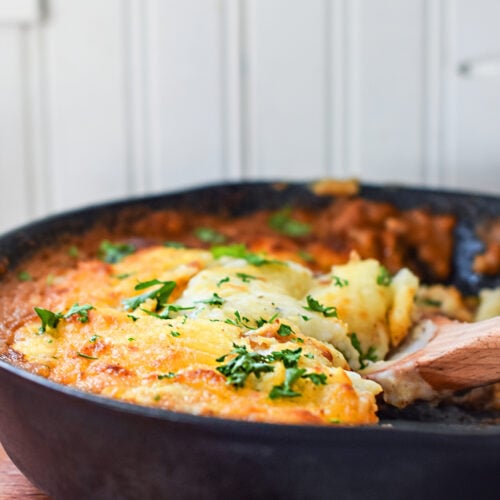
(175, 333)
(81, 311)
(94, 338)
(49, 319)
(157, 397)
(214, 300)
(24, 276)
(167, 311)
(174, 244)
(306, 256)
(316, 378)
(314, 305)
(166, 375)
(246, 278)
(384, 277)
(369, 355)
(132, 317)
(285, 390)
(240, 321)
(114, 252)
(240, 251)
(261, 321)
(305, 318)
(223, 280)
(160, 294)
(131, 339)
(86, 356)
(285, 330)
(309, 355)
(430, 302)
(73, 251)
(209, 235)
(123, 276)
(245, 363)
(340, 282)
(283, 223)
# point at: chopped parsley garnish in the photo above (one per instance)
(24, 276)
(288, 357)
(305, 256)
(309, 355)
(123, 276)
(239, 320)
(51, 319)
(73, 251)
(209, 235)
(174, 244)
(130, 339)
(132, 317)
(314, 305)
(160, 294)
(340, 282)
(81, 311)
(316, 378)
(284, 223)
(114, 252)
(175, 333)
(167, 311)
(240, 251)
(94, 338)
(369, 355)
(285, 390)
(261, 321)
(214, 300)
(86, 356)
(223, 280)
(285, 330)
(430, 302)
(166, 375)
(245, 363)
(384, 277)
(305, 318)
(246, 278)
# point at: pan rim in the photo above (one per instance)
(244, 427)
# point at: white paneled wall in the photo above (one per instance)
(101, 99)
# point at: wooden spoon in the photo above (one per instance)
(441, 357)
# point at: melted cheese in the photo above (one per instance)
(172, 363)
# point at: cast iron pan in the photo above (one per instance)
(77, 445)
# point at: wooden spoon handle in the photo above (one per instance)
(458, 356)
(462, 355)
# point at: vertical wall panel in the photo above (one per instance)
(14, 198)
(476, 72)
(186, 102)
(391, 86)
(286, 43)
(86, 113)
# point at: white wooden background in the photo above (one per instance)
(100, 99)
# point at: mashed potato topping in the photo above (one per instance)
(226, 332)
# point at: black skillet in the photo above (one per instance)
(76, 445)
